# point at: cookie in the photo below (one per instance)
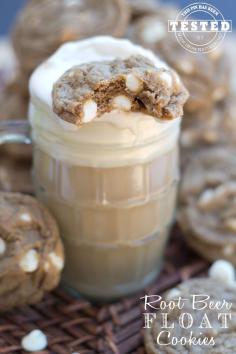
(207, 214)
(198, 72)
(14, 100)
(134, 84)
(216, 126)
(201, 129)
(141, 7)
(56, 22)
(31, 252)
(217, 339)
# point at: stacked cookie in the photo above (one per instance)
(206, 76)
(207, 212)
(44, 25)
(208, 204)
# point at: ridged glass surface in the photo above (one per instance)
(114, 221)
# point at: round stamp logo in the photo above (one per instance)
(200, 27)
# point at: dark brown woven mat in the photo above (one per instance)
(75, 325)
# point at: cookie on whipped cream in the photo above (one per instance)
(135, 84)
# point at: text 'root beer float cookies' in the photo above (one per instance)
(106, 160)
(196, 317)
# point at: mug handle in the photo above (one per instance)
(15, 131)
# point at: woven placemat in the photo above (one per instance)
(77, 326)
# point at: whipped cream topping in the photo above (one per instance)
(115, 139)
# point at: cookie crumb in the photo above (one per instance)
(30, 261)
(34, 341)
(122, 103)
(3, 246)
(223, 271)
(89, 111)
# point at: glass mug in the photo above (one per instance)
(115, 213)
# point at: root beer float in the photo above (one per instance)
(105, 117)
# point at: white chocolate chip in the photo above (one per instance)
(34, 341)
(231, 224)
(218, 94)
(56, 260)
(133, 83)
(210, 137)
(25, 217)
(222, 271)
(122, 102)
(30, 261)
(177, 81)
(173, 294)
(89, 111)
(3, 246)
(228, 250)
(153, 32)
(213, 198)
(167, 78)
(185, 66)
(205, 198)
